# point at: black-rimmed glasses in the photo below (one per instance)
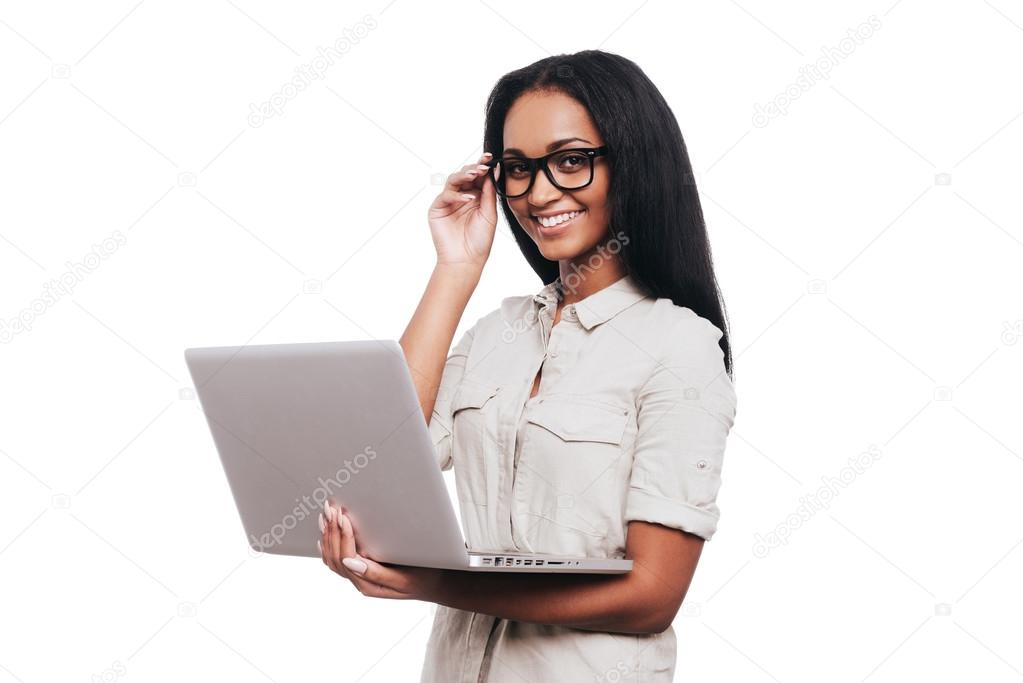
(567, 169)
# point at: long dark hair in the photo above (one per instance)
(652, 193)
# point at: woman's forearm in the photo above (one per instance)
(428, 336)
(598, 602)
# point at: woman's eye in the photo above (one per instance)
(515, 167)
(571, 162)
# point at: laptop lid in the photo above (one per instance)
(295, 424)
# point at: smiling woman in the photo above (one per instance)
(563, 210)
(589, 418)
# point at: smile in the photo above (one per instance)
(555, 225)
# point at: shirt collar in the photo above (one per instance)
(598, 307)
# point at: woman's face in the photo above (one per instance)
(539, 123)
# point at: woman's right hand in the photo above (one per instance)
(463, 229)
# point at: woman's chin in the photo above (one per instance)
(548, 249)
(554, 252)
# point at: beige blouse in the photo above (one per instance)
(630, 422)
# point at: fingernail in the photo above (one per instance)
(326, 508)
(487, 154)
(338, 520)
(319, 546)
(323, 524)
(467, 197)
(356, 565)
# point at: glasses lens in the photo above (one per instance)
(570, 169)
(512, 176)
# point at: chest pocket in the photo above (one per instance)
(569, 481)
(474, 446)
(574, 419)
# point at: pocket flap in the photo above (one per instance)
(471, 394)
(574, 420)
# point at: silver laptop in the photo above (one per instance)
(296, 424)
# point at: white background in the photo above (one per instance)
(867, 243)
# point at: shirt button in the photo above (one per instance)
(554, 354)
(702, 464)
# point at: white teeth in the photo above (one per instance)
(556, 220)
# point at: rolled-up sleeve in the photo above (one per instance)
(440, 420)
(685, 411)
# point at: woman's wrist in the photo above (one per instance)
(440, 589)
(464, 270)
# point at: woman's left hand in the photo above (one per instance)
(372, 579)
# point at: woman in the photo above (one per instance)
(587, 419)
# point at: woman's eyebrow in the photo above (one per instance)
(551, 147)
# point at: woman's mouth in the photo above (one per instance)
(555, 225)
